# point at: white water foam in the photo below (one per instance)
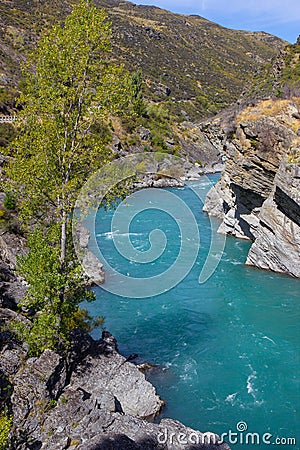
(251, 386)
(231, 398)
(112, 234)
(269, 339)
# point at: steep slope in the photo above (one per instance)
(194, 64)
(280, 77)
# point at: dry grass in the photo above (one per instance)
(294, 156)
(279, 109)
(142, 21)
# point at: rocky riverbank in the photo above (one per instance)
(91, 397)
(277, 228)
(257, 197)
(194, 155)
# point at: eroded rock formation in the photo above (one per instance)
(93, 398)
(257, 197)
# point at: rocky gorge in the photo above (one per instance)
(93, 397)
(90, 396)
(257, 197)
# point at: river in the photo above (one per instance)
(227, 349)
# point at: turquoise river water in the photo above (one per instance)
(228, 349)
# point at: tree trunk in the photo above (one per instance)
(63, 243)
(63, 253)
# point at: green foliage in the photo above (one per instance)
(158, 111)
(294, 156)
(9, 201)
(158, 141)
(254, 142)
(139, 106)
(291, 70)
(70, 88)
(5, 426)
(41, 269)
(52, 319)
(158, 118)
(160, 121)
(283, 83)
(8, 218)
(6, 97)
(7, 134)
(7, 105)
(52, 404)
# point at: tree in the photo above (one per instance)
(71, 86)
(137, 85)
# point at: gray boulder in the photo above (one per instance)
(94, 398)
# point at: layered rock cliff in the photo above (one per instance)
(277, 229)
(257, 197)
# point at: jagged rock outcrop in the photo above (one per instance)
(12, 287)
(277, 229)
(11, 245)
(255, 197)
(157, 181)
(91, 264)
(93, 268)
(200, 148)
(13, 352)
(94, 398)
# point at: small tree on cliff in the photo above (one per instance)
(70, 87)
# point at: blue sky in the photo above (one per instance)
(278, 17)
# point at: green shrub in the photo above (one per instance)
(7, 134)
(5, 426)
(9, 201)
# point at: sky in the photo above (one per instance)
(278, 17)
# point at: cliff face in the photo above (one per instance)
(257, 197)
(277, 230)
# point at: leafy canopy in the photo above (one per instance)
(71, 87)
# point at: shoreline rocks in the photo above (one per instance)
(92, 398)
